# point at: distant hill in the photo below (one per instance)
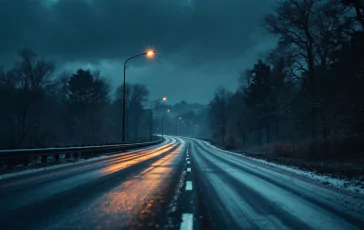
(184, 107)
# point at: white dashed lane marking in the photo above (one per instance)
(187, 221)
(188, 185)
(187, 218)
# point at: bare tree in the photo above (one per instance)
(137, 96)
(219, 113)
(292, 22)
(357, 6)
(27, 85)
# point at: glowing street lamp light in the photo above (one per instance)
(149, 53)
(151, 114)
(163, 120)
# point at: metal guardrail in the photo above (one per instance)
(12, 158)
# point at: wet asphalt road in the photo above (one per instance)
(123, 191)
(180, 184)
(236, 192)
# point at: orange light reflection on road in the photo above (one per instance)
(135, 197)
(124, 164)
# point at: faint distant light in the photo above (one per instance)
(164, 98)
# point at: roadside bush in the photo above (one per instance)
(231, 144)
(333, 148)
(347, 147)
(284, 150)
(315, 150)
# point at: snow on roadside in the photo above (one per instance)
(349, 185)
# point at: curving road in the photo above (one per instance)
(182, 183)
(120, 191)
(235, 192)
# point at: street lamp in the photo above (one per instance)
(189, 129)
(163, 120)
(177, 124)
(149, 53)
(151, 114)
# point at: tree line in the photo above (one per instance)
(307, 91)
(39, 108)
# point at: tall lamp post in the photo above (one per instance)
(149, 53)
(163, 120)
(178, 119)
(189, 129)
(151, 114)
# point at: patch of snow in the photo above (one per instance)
(349, 185)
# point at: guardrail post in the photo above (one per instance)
(56, 157)
(2, 164)
(26, 160)
(44, 159)
(88, 154)
(12, 162)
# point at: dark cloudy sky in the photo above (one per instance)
(200, 44)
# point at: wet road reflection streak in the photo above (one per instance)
(129, 204)
(124, 163)
(128, 158)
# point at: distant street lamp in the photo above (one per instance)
(189, 129)
(149, 53)
(151, 114)
(163, 120)
(177, 119)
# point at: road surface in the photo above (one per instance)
(182, 183)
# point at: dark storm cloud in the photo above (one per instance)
(117, 28)
(187, 34)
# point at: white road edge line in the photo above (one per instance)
(187, 221)
(188, 169)
(188, 185)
